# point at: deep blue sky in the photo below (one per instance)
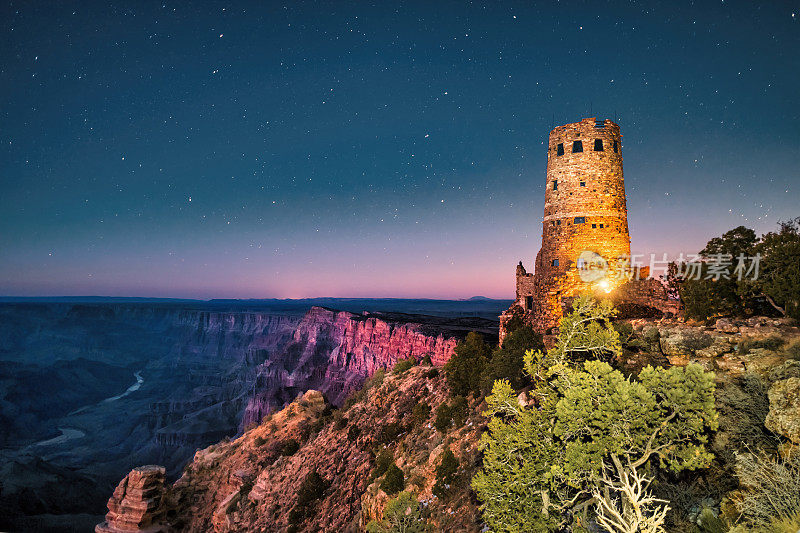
(371, 149)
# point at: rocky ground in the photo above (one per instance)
(256, 482)
(252, 483)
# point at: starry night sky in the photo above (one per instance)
(371, 149)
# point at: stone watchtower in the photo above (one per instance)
(585, 224)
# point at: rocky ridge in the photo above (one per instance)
(207, 375)
(253, 482)
(334, 351)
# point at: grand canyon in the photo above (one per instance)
(93, 389)
(242, 243)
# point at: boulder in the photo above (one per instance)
(731, 364)
(760, 361)
(758, 321)
(683, 342)
(726, 325)
(720, 346)
(137, 503)
(784, 409)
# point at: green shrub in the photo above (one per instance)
(318, 425)
(773, 343)
(420, 413)
(402, 514)
(466, 366)
(625, 330)
(779, 274)
(388, 433)
(393, 481)
(433, 373)
(710, 523)
(353, 433)
(290, 447)
(311, 489)
(375, 380)
(341, 422)
(785, 524)
(403, 365)
(445, 474)
(443, 417)
(506, 361)
(593, 433)
(742, 405)
(458, 411)
(259, 441)
(426, 361)
(382, 462)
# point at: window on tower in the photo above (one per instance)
(583, 184)
(580, 220)
(577, 146)
(554, 262)
(598, 145)
(560, 149)
(616, 147)
(528, 303)
(555, 185)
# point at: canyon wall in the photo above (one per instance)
(206, 374)
(334, 351)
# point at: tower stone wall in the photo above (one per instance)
(585, 235)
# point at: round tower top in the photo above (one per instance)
(587, 126)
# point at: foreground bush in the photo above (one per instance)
(506, 360)
(446, 474)
(401, 515)
(464, 370)
(772, 490)
(394, 480)
(588, 442)
(404, 365)
(311, 489)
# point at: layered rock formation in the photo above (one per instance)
(334, 351)
(137, 503)
(207, 374)
(253, 483)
